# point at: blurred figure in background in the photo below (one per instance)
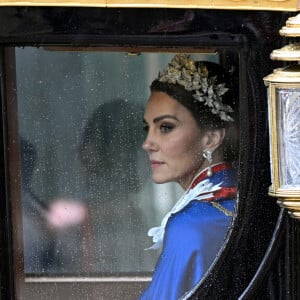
(43, 223)
(38, 239)
(111, 155)
(101, 229)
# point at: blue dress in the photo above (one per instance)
(193, 237)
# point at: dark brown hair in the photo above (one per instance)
(203, 115)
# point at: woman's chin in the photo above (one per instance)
(160, 180)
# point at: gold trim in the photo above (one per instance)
(293, 21)
(287, 194)
(224, 210)
(287, 53)
(274, 136)
(281, 76)
(292, 27)
(289, 32)
(294, 214)
(292, 205)
(272, 5)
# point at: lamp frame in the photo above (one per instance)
(287, 198)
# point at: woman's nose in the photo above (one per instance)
(149, 144)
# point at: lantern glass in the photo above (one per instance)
(288, 130)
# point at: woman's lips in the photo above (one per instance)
(155, 163)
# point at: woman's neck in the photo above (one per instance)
(203, 169)
(217, 158)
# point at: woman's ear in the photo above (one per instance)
(215, 138)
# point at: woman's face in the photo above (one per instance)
(174, 141)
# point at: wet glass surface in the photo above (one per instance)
(87, 195)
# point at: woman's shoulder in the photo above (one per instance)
(194, 223)
(228, 177)
(195, 214)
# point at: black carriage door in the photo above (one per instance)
(76, 196)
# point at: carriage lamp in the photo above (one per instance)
(283, 87)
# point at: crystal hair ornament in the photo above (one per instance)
(184, 71)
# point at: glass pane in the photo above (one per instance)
(87, 195)
(84, 173)
(88, 198)
(288, 103)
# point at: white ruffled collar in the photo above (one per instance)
(203, 190)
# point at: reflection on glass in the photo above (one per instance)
(289, 126)
(110, 155)
(88, 196)
(93, 198)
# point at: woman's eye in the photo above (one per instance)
(166, 127)
(146, 128)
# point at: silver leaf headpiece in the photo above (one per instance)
(183, 71)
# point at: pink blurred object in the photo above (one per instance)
(64, 213)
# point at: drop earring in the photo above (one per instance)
(207, 154)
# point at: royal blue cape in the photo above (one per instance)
(193, 237)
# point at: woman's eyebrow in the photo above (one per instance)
(157, 119)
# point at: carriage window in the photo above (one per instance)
(87, 198)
